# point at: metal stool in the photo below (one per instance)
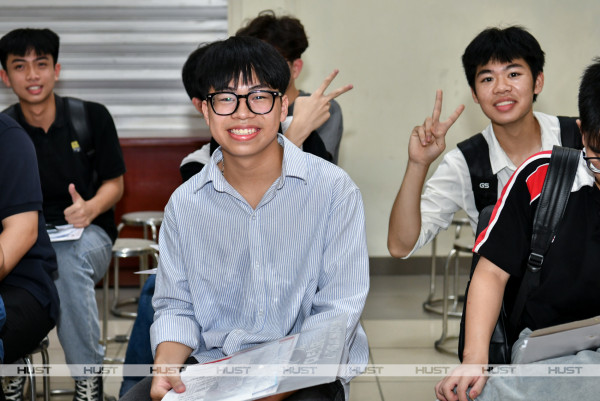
(43, 350)
(436, 305)
(123, 248)
(446, 297)
(145, 219)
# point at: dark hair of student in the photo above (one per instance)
(21, 41)
(188, 72)
(589, 104)
(285, 33)
(503, 45)
(241, 58)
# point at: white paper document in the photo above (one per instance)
(302, 360)
(564, 339)
(65, 232)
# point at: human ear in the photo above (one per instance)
(539, 83)
(296, 68)
(5, 78)
(474, 96)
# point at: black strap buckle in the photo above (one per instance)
(534, 264)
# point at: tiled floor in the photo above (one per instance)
(399, 332)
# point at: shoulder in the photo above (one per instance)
(12, 134)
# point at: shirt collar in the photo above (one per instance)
(294, 166)
(549, 128)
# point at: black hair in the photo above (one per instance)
(189, 74)
(241, 58)
(589, 104)
(503, 45)
(21, 41)
(285, 33)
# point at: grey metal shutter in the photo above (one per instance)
(126, 55)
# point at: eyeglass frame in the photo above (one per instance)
(590, 165)
(210, 97)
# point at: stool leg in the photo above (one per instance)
(46, 378)
(431, 295)
(445, 312)
(105, 309)
(115, 284)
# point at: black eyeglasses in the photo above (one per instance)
(590, 163)
(258, 102)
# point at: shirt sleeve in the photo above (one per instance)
(20, 182)
(446, 192)
(344, 279)
(109, 162)
(174, 318)
(331, 131)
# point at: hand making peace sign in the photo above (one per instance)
(428, 141)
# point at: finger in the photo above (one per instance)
(428, 127)
(477, 387)
(420, 132)
(75, 197)
(339, 91)
(437, 106)
(438, 391)
(176, 383)
(321, 89)
(454, 116)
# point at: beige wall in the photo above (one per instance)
(397, 53)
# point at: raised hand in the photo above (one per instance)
(310, 112)
(78, 214)
(428, 141)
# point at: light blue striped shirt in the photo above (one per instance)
(231, 277)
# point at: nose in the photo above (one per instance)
(501, 85)
(243, 111)
(32, 73)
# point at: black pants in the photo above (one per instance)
(27, 323)
(323, 392)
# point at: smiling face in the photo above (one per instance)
(243, 133)
(505, 90)
(32, 77)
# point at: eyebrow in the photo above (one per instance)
(22, 60)
(508, 67)
(252, 88)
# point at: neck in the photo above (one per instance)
(252, 176)
(519, 139)
(40, 115)
(292, 93)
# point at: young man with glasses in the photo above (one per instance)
(504, 68)
(265, 241)
(569, 288)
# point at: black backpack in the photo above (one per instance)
(552, 203)
(483, 181)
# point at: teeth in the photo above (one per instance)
(505, 103)
(34, 88)
(245, 131)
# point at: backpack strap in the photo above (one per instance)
(550, 210)
(483, 181)
(570, 136)
(76, 110)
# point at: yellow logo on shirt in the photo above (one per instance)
(75, 146)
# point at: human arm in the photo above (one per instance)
(483, 307)
(426, 143)
(81, 213)
(310, 112)
(168, 353)
(343, 281)
(19, 233)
